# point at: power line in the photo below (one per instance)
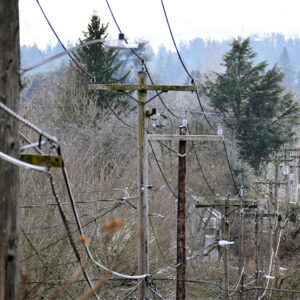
(28, 124)
(142, 62)
(248, 288)
(80, 228)
(230, 169)
(158, 245)
(77, 202)
(175, 45)
(78, 66)
(69, 233)
(64, 237)
(183, 65)
(201, 170)
(161, 172)
(113, 111)
(63, 46)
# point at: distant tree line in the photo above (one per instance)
(200, 55)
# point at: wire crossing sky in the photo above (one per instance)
(216, 19)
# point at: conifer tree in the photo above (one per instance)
(102, 63)
(253, 103)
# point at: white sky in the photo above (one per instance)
(189, 19)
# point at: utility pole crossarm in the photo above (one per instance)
(232, 202)
(121, 87)
(175, 137)
(269, 182)
(250, 205)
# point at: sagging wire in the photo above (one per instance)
(160, 250)
(201, 170)
(231, 172)
(183, 65)
(63, 46)
(42, 169)
(28, 124)
(93, 79)
(113, 111)
(200, 167)
(155, 291)
(133, 289)
(239, 280)
(143, 63)
(80, 228)
(161, 172)
(69, 233)
(76, 230)
(33, 247)
(47, 171)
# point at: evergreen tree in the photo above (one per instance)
(253, 103)
(102, 63)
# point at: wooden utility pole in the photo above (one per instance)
(241, 254)
(276, 185)
(257, 244)
(226, 252)
(227, 202)
(9, 144)
(143, 231)
(182, 138)
(181, 257)
(143, 210)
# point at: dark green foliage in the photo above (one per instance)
(253, 103)
(102, 63)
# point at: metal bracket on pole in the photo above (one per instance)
(42, 160)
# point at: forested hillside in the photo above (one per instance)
(200, 55)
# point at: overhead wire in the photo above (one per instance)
(198, 97)
(142, 62)
(183, 65)
(80, 228)
(249, 288)
(65, 175)
(113, 111)
(93, 79)
(161, 172)
(27, 123)
(69, 233)
(158, 246)
(42, 169)
(155, 291)
(76, 230)
(230, 169)
(77, 202)
(47, 171)
(63, 46)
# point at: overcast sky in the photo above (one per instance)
(218, 19)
